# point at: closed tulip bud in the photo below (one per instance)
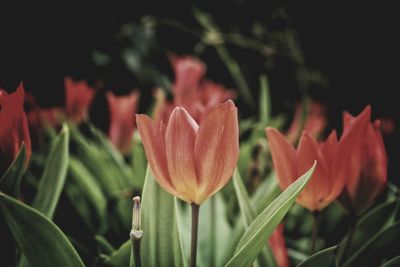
(14, 129)
(188, 160)
(78, 96)
(122, 121)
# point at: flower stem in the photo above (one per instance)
(314, 236)
(195, 225)
(212, 232)
(136, 252)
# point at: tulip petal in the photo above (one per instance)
(313, 195)
(154, 147)
(217, 149)
(283, 156)
(179, 139)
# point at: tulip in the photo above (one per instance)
(122, 121)
(332, 158)
(188, 73)
(192, 162)
(198, 97)
(278, 246)
(14, 129)
(368, 175)
(78, 96)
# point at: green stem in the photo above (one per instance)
(195, 226)
(136, 252)
(212, 232)
(314, 237)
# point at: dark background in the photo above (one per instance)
(354, 45)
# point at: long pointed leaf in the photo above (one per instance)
(161, 244)
(323, 258)
(41, 241)
(10, 182)
(255, 237)
(55, 172)
(382, 245)
(248, 215)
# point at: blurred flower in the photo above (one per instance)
(278, 246)
(387, 126)
(332, 158)
(14, 129)
(368, 170)
(190, 92)
(78, 96)
(315, 123)
(122, 119)
(190, 161)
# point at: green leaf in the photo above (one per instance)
(161, 243)
(265, 100)
(104, 246)
(53, 178)
(255, 237)
(392, 263)
(382, 245)
(121, 256)
(265, 193)
(84, 185)
(10, 182)
(371, 223)
(323, 258)
(248, 215)
(41, 241)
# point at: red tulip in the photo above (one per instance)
(188, 160)
(368, 175)
(14, 129)
(122, 119)
(188, 73)
(190, 92)
(332, 158)
(278, 246)
(78, 96)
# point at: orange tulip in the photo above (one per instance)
(332, 158)
(122, 121)
(278, 246)
(14, 129)
(188, 160)
(368, 175)
(78, 96)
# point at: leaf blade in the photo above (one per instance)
(41, 241)
(54, 175)
(262, 227)
(323, 258)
